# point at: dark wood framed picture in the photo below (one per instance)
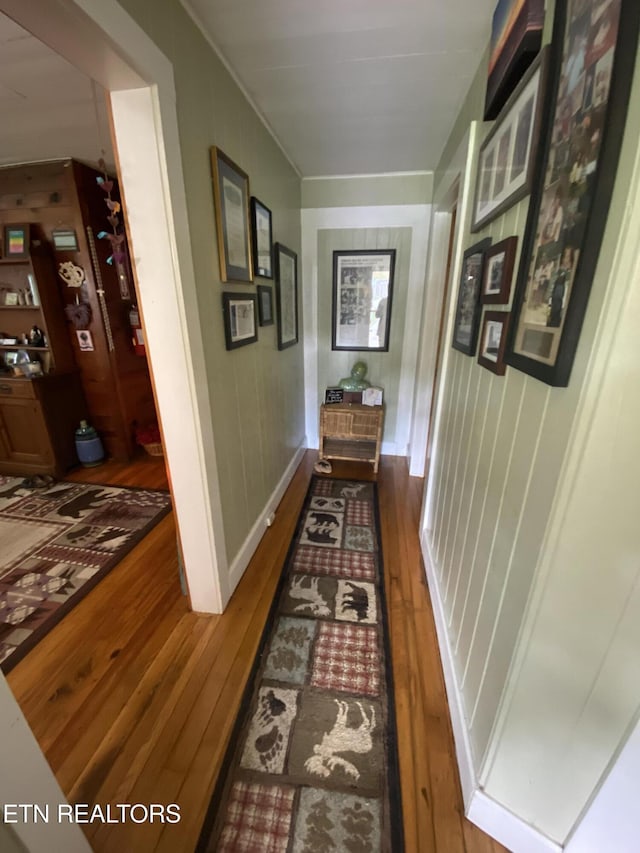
(16, 242)
(286, 269)
(240, 319)
(507, 159)
(493, 339)
(362, 299)
(498, 272)
(265, 305)
(468, 309)
(595, 43)
(516, 38)
(261, 239)
(231, 199)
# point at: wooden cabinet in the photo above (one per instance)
(351, 431)
(38, 418)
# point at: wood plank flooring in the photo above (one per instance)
(132, 697)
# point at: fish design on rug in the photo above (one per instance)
(311, 599)
(342, 738)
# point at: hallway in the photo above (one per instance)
(141, 715)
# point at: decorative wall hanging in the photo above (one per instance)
(85, 340)
(362, 296)
(516, 38)
(231, 198)
(595, 44)
(72, 274)
(117, 238)
(240, 319)
(286, 266)
(498, 272)
(507, 158)
(493, 340)
(97, 272)
(465, 329)
(261, 239)
(79, 315)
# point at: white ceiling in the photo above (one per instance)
(49, 108)
(352, 86)
(347, 86)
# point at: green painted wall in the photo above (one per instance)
(368, 191)
(256, 391)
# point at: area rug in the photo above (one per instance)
(55, 545)
(312, 763)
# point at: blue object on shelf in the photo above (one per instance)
(89, 446)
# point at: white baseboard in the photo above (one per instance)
(492, 817)
(246, 552)
(468, 778)
(507, 828)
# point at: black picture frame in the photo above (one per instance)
(498, 272)
(231, 201)
(261, 239)
(15, 242)
(240, 312)
(578, 165)
(493, 339)
(286, 278)
(468, 308)
(362, 299)
(516, 38)
(265, 305)
(507, 158)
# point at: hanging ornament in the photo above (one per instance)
(79, 315)
(71, 274)
(116, 238)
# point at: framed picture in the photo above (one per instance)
(498, 272)
(16, 242)
(362, 297)
(231, 198)
(286, 269)
(493, 339)
(516, 38)
(261, 239)
(596, 43)
(240, 319)
(265, 305)
(85, 340)
(465, 329)
(507, 157)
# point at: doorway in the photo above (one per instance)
(102, 41)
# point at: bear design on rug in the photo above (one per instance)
(91, 499)
(320, 530)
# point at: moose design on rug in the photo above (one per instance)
(312, 600)
(342, 738)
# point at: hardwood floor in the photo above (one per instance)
(132, 697)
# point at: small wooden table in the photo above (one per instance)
(351, 431)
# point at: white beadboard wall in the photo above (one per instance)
(532, 548)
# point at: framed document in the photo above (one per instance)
(261, 239)
(231, 199)
(286, 296)
(362, 294)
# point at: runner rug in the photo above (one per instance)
(55, 545)
(312, 763)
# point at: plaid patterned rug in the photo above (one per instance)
(312, 763)
(55, 545)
